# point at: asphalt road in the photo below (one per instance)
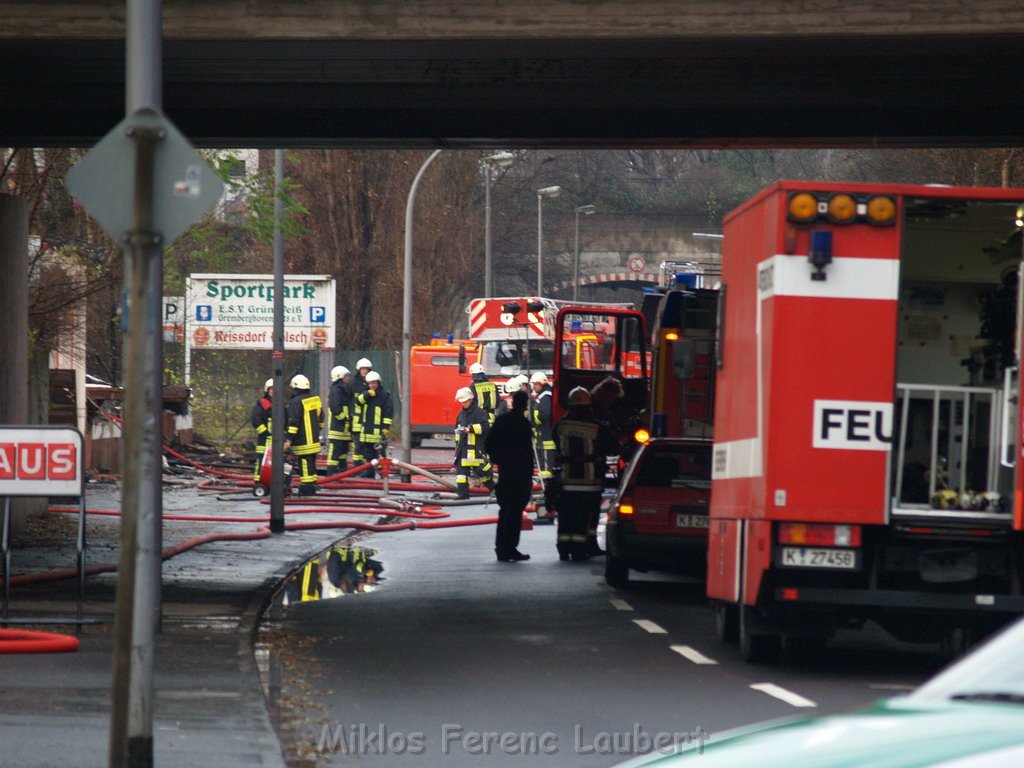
(458, 660)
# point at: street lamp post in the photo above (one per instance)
(586, 210)
(410, 205)
(541, 194)
(503, 160)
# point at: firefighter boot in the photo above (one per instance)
(462, 487)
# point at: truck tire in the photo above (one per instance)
(616, 572)
(756, 647)
(727, 622)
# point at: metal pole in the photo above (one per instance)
(540, 243)
(410, 204)
(277, 489)
(488, 273)
(137, 602)
(576, 262)
(5, 544)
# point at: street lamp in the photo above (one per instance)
(502, 160)
(586, 210)
(541, 194)
(410, 205)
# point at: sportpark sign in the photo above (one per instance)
(237, 311)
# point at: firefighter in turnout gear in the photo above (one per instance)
(540, 418)
(305, 418)
(485, 390)
(471, 428)
(583, 446)
(339, 417)
(512, 386)
(259, 417)
(376, 414)
(356, 387)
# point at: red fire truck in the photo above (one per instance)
(867, 438)
(509, 337)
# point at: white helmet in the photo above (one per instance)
(339, 372)
(580, 396)
(363, 363)
(372, 376)
(464, 394)
(300, 382)
(539, 378)
(515, 383)
(269, 384)
(476, 368)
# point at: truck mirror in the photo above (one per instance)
(683, 359)
(462, 358)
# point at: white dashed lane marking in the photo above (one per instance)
(619, 604)
(650, 626)
(692, 654)
(793, 699)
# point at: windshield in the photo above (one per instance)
(509, 357)
(995, 672)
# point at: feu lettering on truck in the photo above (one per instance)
(852, 425)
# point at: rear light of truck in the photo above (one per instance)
(819, 535)
(641, 436)
(625, 506)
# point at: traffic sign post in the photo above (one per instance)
(145, 184)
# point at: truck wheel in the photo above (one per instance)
(259, 491)
(727, 623)
(756, 647)
(616, 572)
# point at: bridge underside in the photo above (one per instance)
(937, 90)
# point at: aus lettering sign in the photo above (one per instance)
(41, 461)
(237, 311)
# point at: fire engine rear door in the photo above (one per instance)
(594, 343)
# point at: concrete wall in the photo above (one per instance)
(397, 19)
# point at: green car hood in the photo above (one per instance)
(891, 734)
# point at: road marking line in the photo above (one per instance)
(692, 654)
(650, 626)
(619, 604)
(793, 699)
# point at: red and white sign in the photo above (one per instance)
(41, 461)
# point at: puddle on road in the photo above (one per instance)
(287, 663)
(336, 572)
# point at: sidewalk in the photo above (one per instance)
(210, 710)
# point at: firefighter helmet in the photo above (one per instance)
(515, 383)
(539, 378)
(372, 376)
(300, 382)
(363, 363)
(269, 384)
(579, 396)
(339, 372)
(464, 394)
(476, 368)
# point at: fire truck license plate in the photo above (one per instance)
(691, 521)
(812, 557)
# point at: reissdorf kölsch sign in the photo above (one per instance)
(237, 311)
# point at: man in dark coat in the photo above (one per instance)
(510, 446)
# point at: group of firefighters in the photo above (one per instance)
(570, 456)
(360, 414)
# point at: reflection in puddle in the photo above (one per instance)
(338, 571)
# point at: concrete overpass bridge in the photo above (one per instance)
(533, 72)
